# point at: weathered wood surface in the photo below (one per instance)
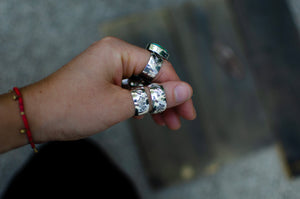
(205, 51)
(272, 46)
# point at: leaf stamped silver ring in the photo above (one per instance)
(158, 98)
(140, 101)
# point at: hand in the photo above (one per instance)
(85, 96)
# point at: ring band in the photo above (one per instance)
(158, 98)
(132, 82)
(158, 49)
(152, 68)
(140, 101)
(158, 53)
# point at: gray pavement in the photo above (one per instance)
(38, 37)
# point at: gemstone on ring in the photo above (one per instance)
(140, 101)
(158, 49)
(158, 98)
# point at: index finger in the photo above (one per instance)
(134, 59)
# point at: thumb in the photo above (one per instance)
(177, 92)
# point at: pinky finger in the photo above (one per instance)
(171, 119)
(158, 119)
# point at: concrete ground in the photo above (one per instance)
(38, 37)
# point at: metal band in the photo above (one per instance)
(158, 97)
(158, 49)
(140, 101)
(158, 53)
(152, 68)
(132, 82)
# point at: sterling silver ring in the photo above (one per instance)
(158, 98)
(152, 68)
(140, 101)
(158, 53)
(132, 82)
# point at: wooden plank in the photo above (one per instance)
(229, 104)
(230, 120)
(273, 47)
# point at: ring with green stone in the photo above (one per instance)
(158, 49)
(158, 53)
(152, 68)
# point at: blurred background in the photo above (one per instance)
(242, 58)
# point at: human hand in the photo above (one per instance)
(85, 96)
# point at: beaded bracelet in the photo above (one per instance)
(26, 130)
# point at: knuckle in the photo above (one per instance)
(108, 38)
(106, 41)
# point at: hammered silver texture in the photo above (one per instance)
(140, 101)
(158, 98)
(152, 68)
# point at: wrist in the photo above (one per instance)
(37, 111)
(10, 123)
(18, 97)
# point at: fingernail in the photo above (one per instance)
(182, 93)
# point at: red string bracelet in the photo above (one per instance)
(24, 118)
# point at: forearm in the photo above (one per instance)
(10, 124)
(84, 97)
(41, 116)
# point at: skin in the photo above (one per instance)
(85, 97)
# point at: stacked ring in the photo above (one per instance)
(158, 98)
(136, 84)
(140, 101)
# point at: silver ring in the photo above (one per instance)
(158, 53)
(140, 101)
(132, 82)
(152, 68)
(158, 49)
(158, 98)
